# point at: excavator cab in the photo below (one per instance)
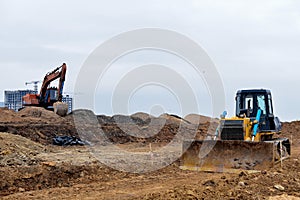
(51, 96)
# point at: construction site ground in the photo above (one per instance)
(32, 168)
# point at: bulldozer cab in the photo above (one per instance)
(248, 102)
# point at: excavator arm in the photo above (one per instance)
(60, 73)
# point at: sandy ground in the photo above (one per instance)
(32, 168)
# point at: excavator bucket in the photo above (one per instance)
(60, 108)
(227, 155)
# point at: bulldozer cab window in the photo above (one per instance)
(248, 103)
(270, 104)
(262, 103)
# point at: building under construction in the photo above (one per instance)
(13, 99)
(68, 100)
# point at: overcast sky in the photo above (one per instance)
(254, 44)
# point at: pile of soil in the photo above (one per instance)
(42, 126)
(16, 150)
(29, 115)
(37, 124)
(140, 127)
(291, 130)
(142, 116)
(7, 116)
(36, 113)
(199, 119)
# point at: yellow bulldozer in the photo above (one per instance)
(246, 141)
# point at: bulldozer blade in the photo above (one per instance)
(227, 156)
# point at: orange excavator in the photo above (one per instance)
(49, 97)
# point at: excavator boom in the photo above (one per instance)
(60, 73)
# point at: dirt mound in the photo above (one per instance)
(42, 126)
(7, 115)
(199, 119)
(29, 115)
(291, 129)
(142, 116)
(17, 150)
(124, 119)
(36, 113)
(81, 116)
(139, 127)
(37, 124)
(171, 118)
